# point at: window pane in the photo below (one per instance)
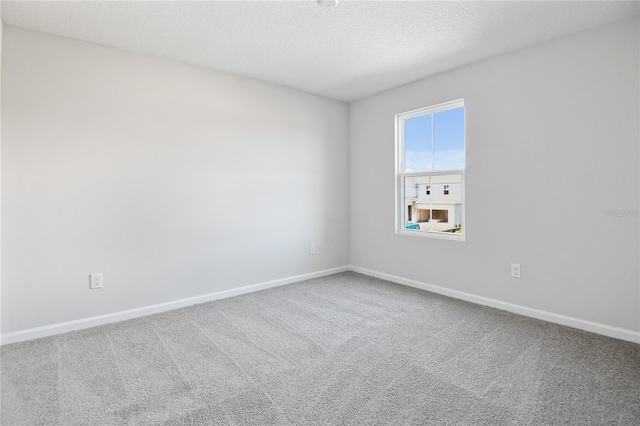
(417, 203)
(432, 151)
(446, 203)
(418, 144)
(448, 135)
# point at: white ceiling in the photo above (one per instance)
(348, 52)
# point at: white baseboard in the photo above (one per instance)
(65, 327)
(594, 327)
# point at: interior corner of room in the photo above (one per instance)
(181, 184)
(319, 212)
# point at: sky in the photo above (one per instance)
(448, 141)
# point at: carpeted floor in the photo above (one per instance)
(340, 350)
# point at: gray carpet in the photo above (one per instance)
(340, 350)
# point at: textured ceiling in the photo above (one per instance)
(347, 52)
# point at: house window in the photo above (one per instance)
(430, 144)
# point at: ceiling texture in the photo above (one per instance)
(348, 52)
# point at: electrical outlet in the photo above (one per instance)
(312, 249)
(95, 280)
(515, 270)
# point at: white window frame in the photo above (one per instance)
(401, 174)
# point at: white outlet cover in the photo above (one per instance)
(95, 280)
(515, 270)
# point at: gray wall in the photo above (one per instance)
(552, 142)
(173, 181)
(1, 32)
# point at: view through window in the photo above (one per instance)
(430, 179)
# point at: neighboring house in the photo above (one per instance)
(436, 200)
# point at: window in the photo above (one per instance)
(430, 145)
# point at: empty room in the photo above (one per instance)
(320, 212)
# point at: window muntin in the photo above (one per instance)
(431, 156)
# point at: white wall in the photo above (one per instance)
(1, 31)
(173, 181)
(552, 142)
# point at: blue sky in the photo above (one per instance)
(448, 147)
